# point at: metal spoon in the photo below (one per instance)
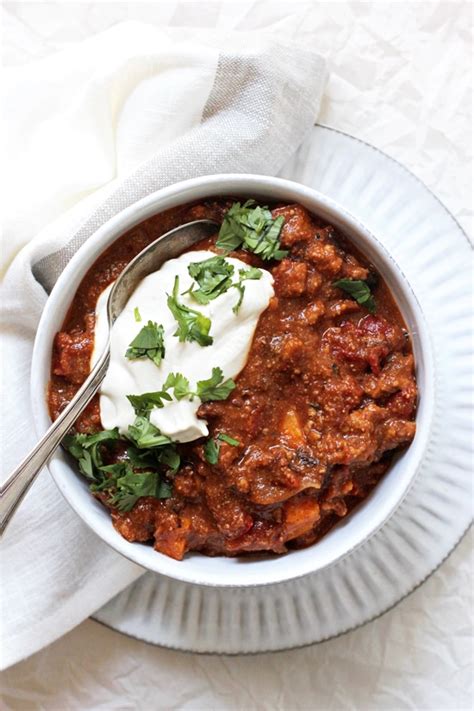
(169, 245)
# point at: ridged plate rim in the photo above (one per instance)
(140, 598)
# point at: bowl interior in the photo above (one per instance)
(366, 518)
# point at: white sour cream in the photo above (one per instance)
(232, 334)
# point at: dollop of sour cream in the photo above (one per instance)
(232, 334)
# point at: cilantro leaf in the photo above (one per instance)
(180, 386)
(164, 491)
(253, 228)
(251, 273)
(360, 292)
(123, 484)
(136, 314)
(211, 389)
(268, 246)
(143, 404)
(211, 451)
(142, 458)
(241, 289)
(192, 325)
(144, 435)
(169, 457)
(148, 343)
(165, 455)
(212, 447)
(230, 440)
(90, 440)
(126, 486)
(213, 276)
(86, 448)
(214, 388)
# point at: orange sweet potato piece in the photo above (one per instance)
(299, 517)
(292, 429)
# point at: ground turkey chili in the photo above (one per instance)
(327, 396)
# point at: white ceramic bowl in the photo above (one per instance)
(353, 530)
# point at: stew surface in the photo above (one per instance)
(327, 396)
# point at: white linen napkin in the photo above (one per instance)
(91, 130)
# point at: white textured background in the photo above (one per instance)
(401, 79)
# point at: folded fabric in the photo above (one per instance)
(91, 130)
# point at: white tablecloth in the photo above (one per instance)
(398, 80)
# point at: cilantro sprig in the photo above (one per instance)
(228, 439)
(151, 453)
(251, 273)
(145, 435)
(213, 277)
(149, 343)
(144, 403)
(166, 455)
(126, 486)
(359, 290)
(180, 386)
(86, 448)
(212, 447)
(192, 325)
(253, 228)
(213, 388)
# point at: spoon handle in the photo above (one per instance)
(16, 486)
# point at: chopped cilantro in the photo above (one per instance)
(192, 325)
(165, 455)
(126, 486)
(230, 440)
(211, 451)
(214, 277)
(142, 404)
(359, 290)
(169, 457)
(144, 435)
(165, 490)
(86, 448)
(253, 228)
(123, 484)
(251, 273)
(136, 314)
(215, 388)
(180, 386)
(148, 343)
(212, 448)
(142, 458)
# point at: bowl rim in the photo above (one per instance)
(56, 307)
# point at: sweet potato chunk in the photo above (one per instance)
(299, 517)
(292, 430)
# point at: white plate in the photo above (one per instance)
(434, 254)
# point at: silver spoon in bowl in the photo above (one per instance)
(169, 245)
